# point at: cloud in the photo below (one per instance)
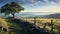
(30, 3)
(35, 5)
(33, 2)
(50, 9)
(46, 9)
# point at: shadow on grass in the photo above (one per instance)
(22, 27)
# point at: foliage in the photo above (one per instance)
(15, 7)
(5, 8)
(11, 8)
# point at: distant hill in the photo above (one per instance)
(32, 14)
(57, 15)
(35, 14)
(40, 15)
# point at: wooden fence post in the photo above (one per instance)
(51, 26)
(44, 28)
(26, 18)
(35, 21)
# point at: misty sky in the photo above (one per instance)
(45, 6)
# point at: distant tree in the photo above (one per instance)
(11, 8)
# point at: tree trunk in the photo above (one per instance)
(5, 15)
(13, 15)
(35, 21)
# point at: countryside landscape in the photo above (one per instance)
(29, 16)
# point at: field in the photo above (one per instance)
(13, 26)
(45, 22)
(20, 25)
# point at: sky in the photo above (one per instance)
(44, 6)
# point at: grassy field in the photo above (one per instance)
(3, 23)
(14, 26)
(41, 21)
(19, 27)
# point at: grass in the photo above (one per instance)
(4, 23)
(41, 21)
(18, 28)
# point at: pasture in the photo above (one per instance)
(49, 23)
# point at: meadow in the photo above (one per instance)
(40, 22)
(22, 25)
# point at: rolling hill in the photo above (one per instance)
(36, 14)
(57, 15)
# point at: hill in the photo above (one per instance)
(39, 14)
(3, 23)
(17, 26)
(57, 15)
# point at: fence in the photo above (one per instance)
(53, 24)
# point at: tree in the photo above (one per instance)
(5, 9)
(11, 8)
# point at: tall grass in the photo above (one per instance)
(41, 21)
(3, 23)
